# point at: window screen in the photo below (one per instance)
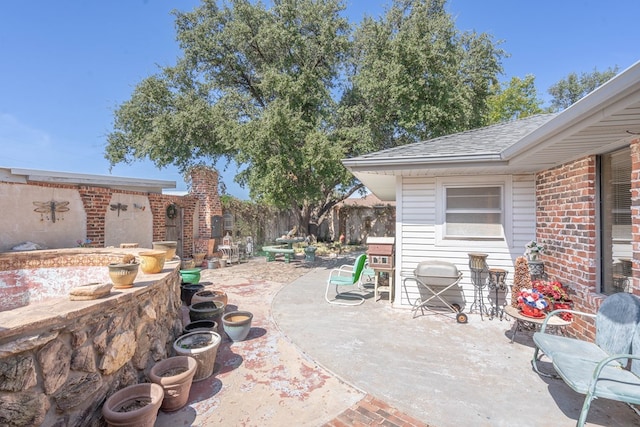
(473, 212)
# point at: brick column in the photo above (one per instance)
(204, 187)
(96, 201)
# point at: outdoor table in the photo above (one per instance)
(555, 322)
(290, 241)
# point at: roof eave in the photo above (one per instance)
(399, 164)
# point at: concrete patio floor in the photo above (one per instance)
(309, 363)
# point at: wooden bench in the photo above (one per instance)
(272, 251)
(600, 368)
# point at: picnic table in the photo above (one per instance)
(289, 241)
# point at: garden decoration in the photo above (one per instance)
(533, 249)
(521, 279)
(532, 303)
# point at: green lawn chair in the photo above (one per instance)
(346, 279)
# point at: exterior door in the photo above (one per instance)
(174, 221)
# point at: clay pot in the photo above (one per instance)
(237, 324)
(206, 310)
(123, 275)
(187, 291)
(152, 262)
(175, 375)
(191, 275)
(187, 264)
(200, 325)
(168, 246)
(123, 408)
(207, 295)
(198, 258)
(203, 347)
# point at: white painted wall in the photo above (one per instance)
(419, 221)
(19, 222)
(135, 225)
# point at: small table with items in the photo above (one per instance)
(521, 321)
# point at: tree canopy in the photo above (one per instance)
(572, 88)
(516, 100)
(288, 91)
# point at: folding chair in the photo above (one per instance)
(347, 276)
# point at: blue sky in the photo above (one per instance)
(67, 65)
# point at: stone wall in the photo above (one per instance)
(61, 359)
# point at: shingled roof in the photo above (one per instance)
(483, 142)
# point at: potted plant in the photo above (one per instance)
(533, 249)
(532, 303)
(134, 406)
(124, 273)
(203, 347)
(175, 375)
(237, 324)
(556, 294)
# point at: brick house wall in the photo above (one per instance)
(566, 224)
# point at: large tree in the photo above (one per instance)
(516, 100)
(286, 92)
(572, 88)
(418, 76)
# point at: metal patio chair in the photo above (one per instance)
(346, 276)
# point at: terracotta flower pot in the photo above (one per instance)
(123, 275)
(134, 406)
(175, 375)
(152, 262)
(203, 347)
(198, 258)
(169, 246)
(209, 295)
(237, 324)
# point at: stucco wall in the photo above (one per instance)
(135, 225)
(19, 222)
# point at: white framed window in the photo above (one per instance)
(469, 209)
(473, 212)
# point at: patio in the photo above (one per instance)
(310, 363)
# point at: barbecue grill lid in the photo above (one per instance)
(436, 269)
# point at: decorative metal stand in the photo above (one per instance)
(479, 270)
(497, 282)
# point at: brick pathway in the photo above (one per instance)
(373, 412)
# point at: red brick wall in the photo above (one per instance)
(566, 225)
(159, 204)
(204, 187)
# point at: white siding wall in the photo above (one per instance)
(417, 234)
